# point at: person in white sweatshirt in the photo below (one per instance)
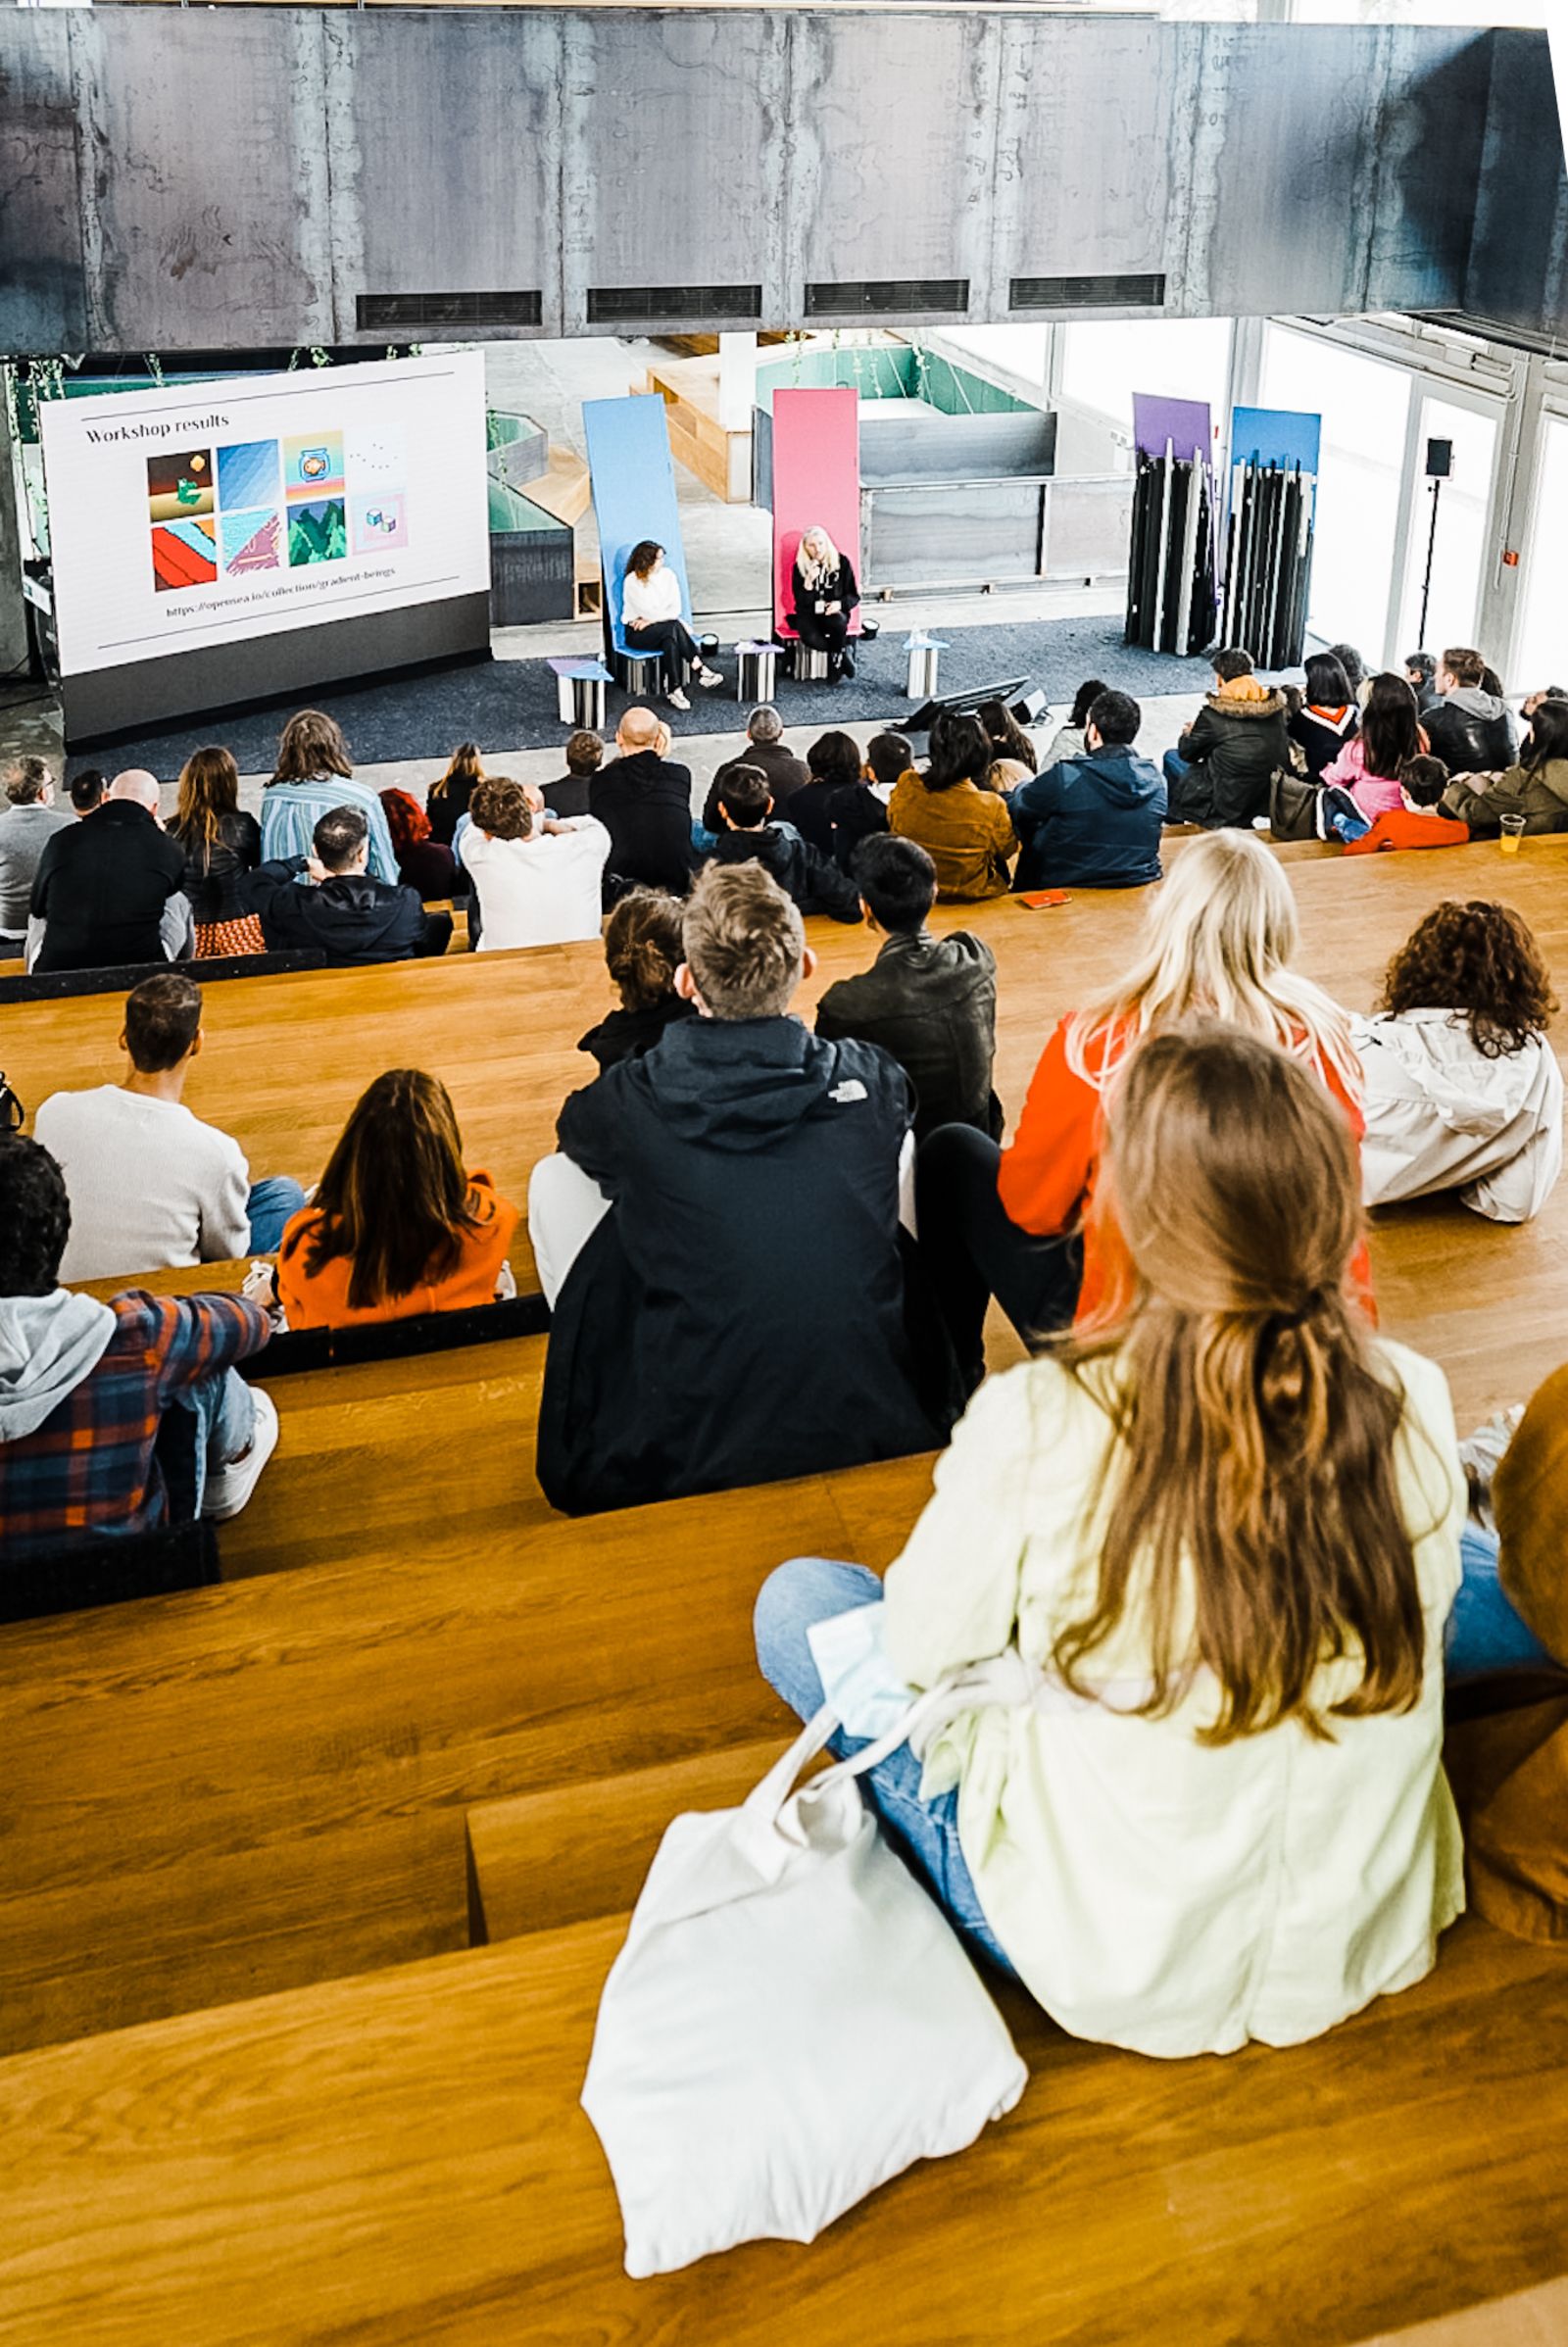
(1463, 1089)
(654, 620)
(539, 877)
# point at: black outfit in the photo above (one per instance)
(674, 643)
(628, 1034)
(973, 1250)
(569, 796)
(1472, 731)
(931, 1003)
(430, 869)
(820, 630)
(645, 803)
(786, 774)
(741, 1314)
(855, 813)
(810, 811)
(1320, 735)
(100, 887)
(447, 808)
(815, 883)
(1230, 751)
(353, 919)
(214, 875)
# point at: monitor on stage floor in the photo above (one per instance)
(220, 542)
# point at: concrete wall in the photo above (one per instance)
(180, 179)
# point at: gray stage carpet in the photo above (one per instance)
(510, 704)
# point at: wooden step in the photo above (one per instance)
(404, 2159)
(577, 1852)
(1527, 2318)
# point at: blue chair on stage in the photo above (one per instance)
(633, 480)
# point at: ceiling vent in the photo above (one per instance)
(657, 305)
(1088, 293)
(889, 297)
(388, 312)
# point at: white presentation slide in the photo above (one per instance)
(206, 513)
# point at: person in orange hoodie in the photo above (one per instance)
(398, 1226)
(1021, 1223)
(1418, 821)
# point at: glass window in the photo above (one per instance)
(1457, 543)
(1542, 657)
(1181, 358)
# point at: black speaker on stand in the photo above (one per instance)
(1440, 465)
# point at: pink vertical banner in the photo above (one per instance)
(817, 483)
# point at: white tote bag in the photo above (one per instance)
(791, 2021)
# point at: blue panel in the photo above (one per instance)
(1275, 436)
(634, 496)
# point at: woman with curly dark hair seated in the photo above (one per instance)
(1463, 1091)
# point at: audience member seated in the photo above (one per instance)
(539, 877)
(446, 802)
(1418, 821)
(1093, 820)
(929, 1002)
(643, 800)
(1019, 1223)
(1533, 700)
(569, 796)
(1221, 767)
(721, 1241)
(152, 1188)
(832, 764)
(807, 878)
(766, 750)
(1328, 716)
(654, 620)
(355, 920)
(105, 890)
(1071, 740)
(642, 953)
(85, 1387)
(1421, 675)
(1355, 670)
(1218, 1540)
(888, 759)
(1534, 786)
(397, 1226)
(1463, 1091)
(315, 773)
(28, 820)
(824, 594)
(1371, 764)
(859, 810)
(423, 863)
(962, 825)
(1014, 757)
(1470, 728)
(86, 788)
(221, 845)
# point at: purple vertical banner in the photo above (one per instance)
(1185, 423)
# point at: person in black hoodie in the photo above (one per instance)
(353, 919)
(1220, 770)
(642, 953)
(816, 885)
(833, 763)
(102, 885)
(643, 801)
(720, 1241)
(1470, 727)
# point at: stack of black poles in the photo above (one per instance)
(1268, 562)
(1170, 571)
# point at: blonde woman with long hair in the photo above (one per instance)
(1217, 1543)
(1218, 941)
(825, 596)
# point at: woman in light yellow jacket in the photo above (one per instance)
(1223, 1536)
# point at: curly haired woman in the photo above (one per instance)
(1463, 1091)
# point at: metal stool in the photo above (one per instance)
(637, 673)
(808, 667)
(925, 653)
(580, 693)
(757, 675)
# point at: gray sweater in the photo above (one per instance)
(23, 831)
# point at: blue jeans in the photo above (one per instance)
(1174, 767)
(271, 1202)
(1486, 1633)
(225, 1419)
(811, 1588)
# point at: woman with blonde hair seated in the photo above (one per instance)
(1209, 1553)
(398, 1226)
(1218, 941)
(824, 592)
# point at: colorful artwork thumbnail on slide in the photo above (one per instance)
(184, 554)
(316, 533)
(379, 523)
(313, 467)
(248, 476)
(251, 541)
(180, 484)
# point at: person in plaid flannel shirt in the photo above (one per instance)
(84, 1385)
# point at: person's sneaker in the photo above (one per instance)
(229, 1488)
(676, 700)
(707, 678)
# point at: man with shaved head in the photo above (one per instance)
(643, 801)
(107, 891)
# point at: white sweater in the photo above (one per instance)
(1441, 1116)
(151, 1187)
(541, 890)
(655, 598)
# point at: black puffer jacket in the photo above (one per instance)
(1231, 748)
(1472, 731)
